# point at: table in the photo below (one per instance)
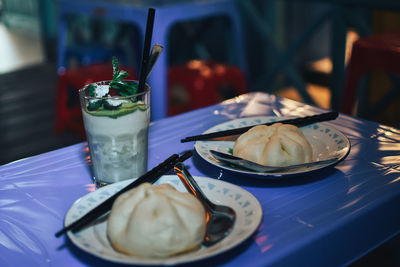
(328, 218)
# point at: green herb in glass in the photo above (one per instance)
(123, 88)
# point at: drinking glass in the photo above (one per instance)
(117, 133)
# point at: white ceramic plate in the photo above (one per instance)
(325, 140)
(93, 239)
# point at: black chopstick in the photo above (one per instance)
(299, 122)
(150, 177)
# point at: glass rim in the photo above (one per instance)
(83, 91)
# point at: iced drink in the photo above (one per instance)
(117, 131)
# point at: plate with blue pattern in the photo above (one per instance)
(326, 142)
(93, 239)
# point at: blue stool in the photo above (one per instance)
(89, 55)
(168, 13)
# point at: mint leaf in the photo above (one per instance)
(124, 89)
(91, 89)
(115, 67)
(121, 75)
(94, 105)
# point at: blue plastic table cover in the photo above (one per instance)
(327, 218)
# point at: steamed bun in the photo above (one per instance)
(275, 145)
(156, 221)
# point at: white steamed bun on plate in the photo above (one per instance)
(156, 221)
(275, 145)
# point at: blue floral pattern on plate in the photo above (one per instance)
(325, 140)
(93, 239)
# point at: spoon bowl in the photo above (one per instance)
(220, 218)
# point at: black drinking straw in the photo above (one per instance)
(146, 48)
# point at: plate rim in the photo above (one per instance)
(174, 259)
(265, 175)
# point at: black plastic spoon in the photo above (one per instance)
(220, 218)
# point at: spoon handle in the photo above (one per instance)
(154, 54)
(191, 185)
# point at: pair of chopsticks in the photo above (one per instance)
(299, 122)
(149, 177)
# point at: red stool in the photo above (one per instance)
(202, 83)
(376, 52)
(68, 110)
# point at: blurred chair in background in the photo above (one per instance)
(284, 46)
(377, 52)
(203, 83)
(167, 14)
(341, 16)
